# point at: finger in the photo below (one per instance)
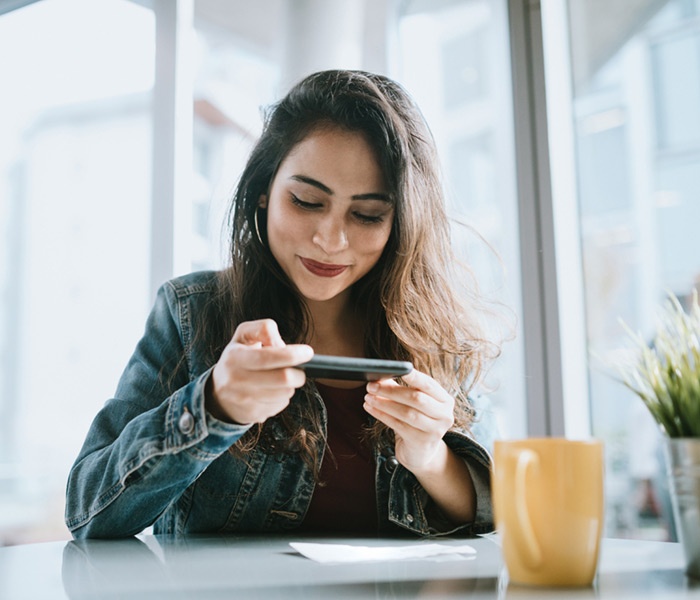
(416, 381)
(402, 400)
(409, 397)
(399, 426)
(427, 384)
(264, 331)
(274, 379)
(259, 412)
(411, 415)
(380, 415)
(267, 358)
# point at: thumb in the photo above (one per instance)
(263, 332)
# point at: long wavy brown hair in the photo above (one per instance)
(418, 303)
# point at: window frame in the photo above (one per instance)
(557, 397)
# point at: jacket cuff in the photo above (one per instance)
(481, 478)
(190, 427)
(416, 511)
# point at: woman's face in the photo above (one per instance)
(328, 212)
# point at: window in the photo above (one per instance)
(232, 86)
(454, 59)
(88, 228)
(636, 129)
(75, 177)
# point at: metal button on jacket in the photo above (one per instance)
(391, 463)
(186, 422)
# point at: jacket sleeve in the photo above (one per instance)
(149, 442)
(410, 506)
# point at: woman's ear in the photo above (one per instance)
(262, 201)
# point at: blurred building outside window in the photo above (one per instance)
(454, 59)
(636, 121)
(75, 160)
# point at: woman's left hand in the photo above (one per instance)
(419, 414)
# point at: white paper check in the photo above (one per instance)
(342, 553)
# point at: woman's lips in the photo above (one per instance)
(323, 269)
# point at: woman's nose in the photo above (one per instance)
(331, 235)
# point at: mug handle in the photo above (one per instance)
(525, 537)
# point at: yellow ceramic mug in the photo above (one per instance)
(548, 503)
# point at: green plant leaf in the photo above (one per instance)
(665, 373)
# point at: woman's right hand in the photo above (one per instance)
(255, 377)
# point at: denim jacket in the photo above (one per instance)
(154, 456)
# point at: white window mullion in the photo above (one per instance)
(172, 141)
(571, 309)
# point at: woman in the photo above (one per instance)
(339, 245)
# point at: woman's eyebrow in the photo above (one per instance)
(314, 182)
(325, 189)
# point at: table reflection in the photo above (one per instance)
(257, 566)
(253, 568)
(93, 568)
(513, 591)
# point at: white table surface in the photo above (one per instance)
(239, 567)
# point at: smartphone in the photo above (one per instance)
(355, 369)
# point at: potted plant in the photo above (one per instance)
(665, 374)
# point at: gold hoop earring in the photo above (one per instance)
(257, 227)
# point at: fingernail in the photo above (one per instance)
(372, 387)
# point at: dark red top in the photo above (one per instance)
(345, 498)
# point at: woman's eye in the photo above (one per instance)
(363, 218)
(369, 219)
(306, 205)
